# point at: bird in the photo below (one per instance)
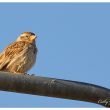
(19, 56)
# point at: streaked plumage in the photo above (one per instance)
(19, 56)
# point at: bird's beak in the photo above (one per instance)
(33, 38)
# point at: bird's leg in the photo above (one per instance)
(32, 74)
(29, 74)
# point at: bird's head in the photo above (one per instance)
(27, 36)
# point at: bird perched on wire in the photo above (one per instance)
(19, 56)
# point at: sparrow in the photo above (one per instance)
(19, 56)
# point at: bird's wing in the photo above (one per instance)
(11, 51)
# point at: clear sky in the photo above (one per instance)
(73, 42)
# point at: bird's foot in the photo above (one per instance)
(32, 74)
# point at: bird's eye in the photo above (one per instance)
(27, 37)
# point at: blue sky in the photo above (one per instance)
(73, 42)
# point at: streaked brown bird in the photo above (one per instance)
(19, 56)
